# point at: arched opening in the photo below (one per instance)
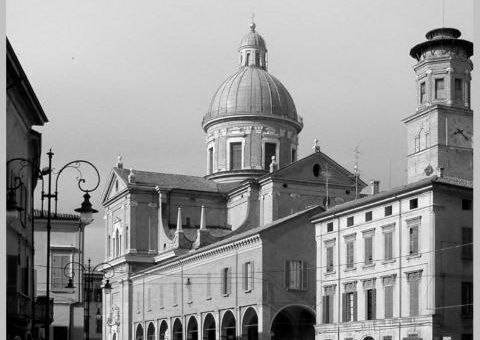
(228, 326)
(151, 331)
(368, 338)
(250, 325)
(177, 330)
(294, 322)
(114, 336)
(192, 329)
(139, 332)
(209, 328)
(163, 330)
(316, 170)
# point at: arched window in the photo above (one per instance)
(163, 330)
(139, 332)
(177, 330)
(151, 331)
(316, 170)
(250, 325)
(192, 329)
(228, 326)
(209, 328)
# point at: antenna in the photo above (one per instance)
(356, 152)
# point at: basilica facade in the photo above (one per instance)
(230, 254)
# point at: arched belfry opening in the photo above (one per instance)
(293, 322)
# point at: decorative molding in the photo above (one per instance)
(414, 275)
(351, 236)
(330, 289)
(350, 287)
(414, 221)
(369, 283)
(389, 280)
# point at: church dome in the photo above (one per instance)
(252, 92)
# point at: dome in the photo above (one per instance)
(252, 91)
(253, 39)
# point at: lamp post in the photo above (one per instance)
(87, 274)
(86, 211)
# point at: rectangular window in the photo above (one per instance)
(467, 204)
(368, 250)
(58, 278)
(329, 227)
(226, 280)
(414, 288)
(467, 300)
(413, 231)
(295, 275)
(388, 302)
(294, 155)
(99, 321)
(349, 302)
(414, 203)
(368, 216)
(248, 59)
(350, 257)
(160, 296)
(248, 276)
(458, 89)
(235, 156)
(440, 88)
(388, 210)
(209, 285)
(175, 293)
(422, 92)
(350, 221)
(467, 246)
(330, 259)
(371, 304)
(328, 308)
(210, 160)
(257, 59)
(270, 151)
(388, 245)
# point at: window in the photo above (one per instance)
(235, 156)
(368, 250)
(175, 293)
(467, 300)
(349, 306)
(108, 246)
(413, 241)
(209, 285)
(388, 237)
(368, 216)
(210, 160)
(439, 88)
(248, 60)
(59, 261)
(270, 151)
(414, 203)
(226, 286)
(257, 59)
(467, 336)
(414, 283)
(350, 257)
(467, 246)
(160, 296)
(99, 321)
(329, 227)
(349, 221)
(422, 92)
(467, 204)
(97, 294)
(295, 275)
(294, 155)
(248, 276)
(388, 210)
(330, 259)
(458, 89)
(388, 290)
(370, 304)
(328, 304)
(316, 170)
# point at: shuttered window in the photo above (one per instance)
(371, 304)
(235, 156)
(209, 284)
(226, 280)
(350, 257)
(388, 302)
(248, 276)
(330, 259)
(327, 308)
(413, 231)
(58, 277)
(160, 298)
(422, 92)
(210, 160)
(414, 287)
(368, 250)
(175, 293)
(458, 89)
(467, 300)
(439, 88)
(388, 245)
(295, 275)
(349, 305)
(467, 246)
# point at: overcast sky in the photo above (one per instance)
(136, 77)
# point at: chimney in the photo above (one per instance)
(375, 187)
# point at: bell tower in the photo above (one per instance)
(440, 132)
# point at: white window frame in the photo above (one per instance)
(235, 140)
(277, 149)
(211, 145)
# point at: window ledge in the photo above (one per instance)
(414, 256)
(350, 269)
(208, 298)
(246, 291)
(370, 265)
(389, 261)
(226, 295)
(175, 305)
(329, 273)
(162, 308)
(296, 289)
(189, 302)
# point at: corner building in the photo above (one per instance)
(231, 254)
(397, 265)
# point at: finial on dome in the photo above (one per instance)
(252, 25)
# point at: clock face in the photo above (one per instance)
(460, 131)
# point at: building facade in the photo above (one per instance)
(398, 264)
(230, 254)
(22, 112)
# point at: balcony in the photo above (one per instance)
(41, 309)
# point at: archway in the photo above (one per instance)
(228, 326)
(368, 338)
(163, 330)
(294, 322)
(139, 332)
(151, 331)
(209, 328)
(250, 325)
(177, 330)
(114, 336)
(192, 329)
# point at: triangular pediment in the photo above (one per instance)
(315, 168)
(116, 184)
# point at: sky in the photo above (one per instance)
(134, 78)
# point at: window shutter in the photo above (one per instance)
(223, 279)
(209, 284)
(161, 295)
(413, 298)
(344, 307)
(252, 272)
(245, 276)
(374, 304)
(388, 301)
(368, 250)
(229, 280)
(325, 308)
(287, 274)
(354, 306)
(304, 275)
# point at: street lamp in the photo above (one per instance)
(86, 211)
(87, 274)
